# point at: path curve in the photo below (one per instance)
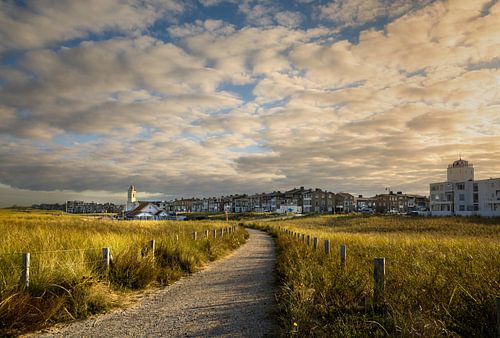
(233, 297)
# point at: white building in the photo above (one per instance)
(462, 195)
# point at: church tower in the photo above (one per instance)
(131, 198)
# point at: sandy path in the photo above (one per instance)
(233, 297)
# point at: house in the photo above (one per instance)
(144, 211)
(318, 200)
(365, 204)
(344, 203)
(462, 195)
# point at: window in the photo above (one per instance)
(461, 208)
(460, 186)
(461, 197)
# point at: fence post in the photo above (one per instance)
(105, 258)
(379, 280)
(206, 233)
(308, 240)
(222, 232)
(152, 247)
(327, 246)
(25, 275)
(195, 235)
(215, 233)
(498, 316)
(315, 243)
(343, 256)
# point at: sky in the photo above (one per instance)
(214, 97)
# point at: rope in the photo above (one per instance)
(48, 251)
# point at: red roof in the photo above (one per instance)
(138, 209)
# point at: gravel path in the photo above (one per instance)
(233, 297)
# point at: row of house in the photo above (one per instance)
(396, 203)
(81, 207)
(297, 200)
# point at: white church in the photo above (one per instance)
(462, 195)
(137, 210)
(143, 210)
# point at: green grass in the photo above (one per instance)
(442, 276)
(67, 279)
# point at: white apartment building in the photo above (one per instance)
(462, 195)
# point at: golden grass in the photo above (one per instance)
(67, 280)
(442, 276)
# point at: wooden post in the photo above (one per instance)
(152, 247)
(303, 238)
(207, 233)
(308, 240)
(343, 256)
(222, 232)
(379, 280)
(25, 274)
(498, 316)
(105, 258)
(215, 233)
(327, 246)
(315, 243)
(195, 235)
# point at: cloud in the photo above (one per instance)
(359, 12)
(40, 23)
(222, 109)
(289, 19)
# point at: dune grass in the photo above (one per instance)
(67, 278)
(442, 276)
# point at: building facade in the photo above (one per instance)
(462, 195)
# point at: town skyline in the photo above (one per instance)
(206, 98)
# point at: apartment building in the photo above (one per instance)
(462, 195)
(344, 203)
(317, 200)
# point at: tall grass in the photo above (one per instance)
(442, 276)
(67, 279)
